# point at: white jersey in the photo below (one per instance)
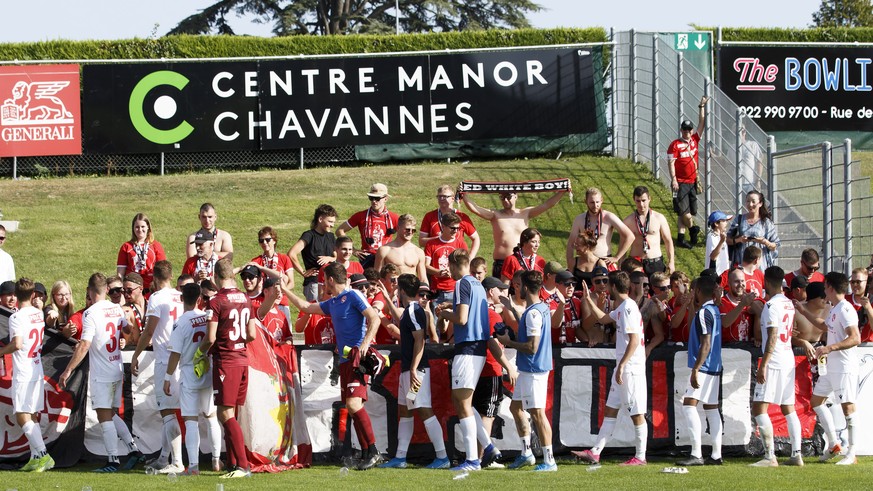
(842, 316)
(629, 321)
(27, 323)
(166, 305)
(188, 332)
(101, 326)
(779, 313)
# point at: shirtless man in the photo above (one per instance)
(604, 224)
(649, 228)
(508, 223)
(223, 241)
(402, 252)
(805, 333)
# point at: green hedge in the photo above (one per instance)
(812, 35)
(243, 46)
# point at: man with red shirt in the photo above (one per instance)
(550, 295)
(683, 160)
(861, 302)
(231, 326)
(344, 250)
(202, 264)
(430, 224)
(808, 269)
(376, 225)
(436, 257)
(566, 331)
(738, 321)
(753, 274)
(679, 308)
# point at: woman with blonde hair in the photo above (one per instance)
(60, 309)
(141, 252)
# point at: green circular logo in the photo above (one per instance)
(167, 108)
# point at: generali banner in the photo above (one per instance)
(39, 114)
(285, 104)
(800, 88)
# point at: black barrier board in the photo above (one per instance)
(800, 88)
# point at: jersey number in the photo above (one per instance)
(36, 347)
(785, 335)
(240, 319)
(198, 336)
(112, 345)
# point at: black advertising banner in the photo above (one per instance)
(801, 88)
(310, 103)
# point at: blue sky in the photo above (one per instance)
(39, 20)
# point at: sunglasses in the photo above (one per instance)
(128, 291)
(811, 268)
(2, 238)
(374, 199)
(425, 295)
(600, 281)
(248, 277)
(661, 288)
(454, 229)
(569, 283)
(265, 240)
(411, 230)
(116, 291)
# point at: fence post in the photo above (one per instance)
(827, 200)
(301, 158)
(771, 172)
(680, 86)
(162, 163)
(633, 96)
(738, 154)
(847, 182)
(612, 58)
(656, 165)
(14, 168)
(707, 193)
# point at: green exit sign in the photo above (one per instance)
(692, 41)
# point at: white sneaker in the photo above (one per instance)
(849, 459)
(171, 469)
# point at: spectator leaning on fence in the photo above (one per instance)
(683, 160)
(755, 227)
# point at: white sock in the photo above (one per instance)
(34, 439)
(164, 457)
(110, 440)
(174, 436)
(435, 432)
(713, 416)
(481, 435)
(124, 433)
(641, 439)
(850, 430)
(794, 432)
(404, 436)
(548, 455)
(826, 420)
(603, 435)
(468, 431)
(765, 427)
(192, 442)
(692, 418)
(214, 435)
(525, 445)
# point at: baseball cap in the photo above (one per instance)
(358, 280)
(687, 125)
(600, 271)
(636, 276)
(492, 282)
(564, 276)
(202, 236)
(270, 281)
(553, 267)
(717, 216)
(250, 270)
(815, 290)
(40, 288)
(378, 190)
(7, 288)
(799, 282)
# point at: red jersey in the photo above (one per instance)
(232, 310)
(76, 320)
(279, 262)
(741, 329)
(492, 367)
(430, 224)
(572, 320)
(376, 229)
(141, 260)
(352, 268)
(318, 330)
(276, 325)
(815, 277)
(754, 282)
(680, 333)
(382, 334)
(515, 262)
(686, 154)
(863, 320)
(194, 265)
(255, 304)
(436, 253)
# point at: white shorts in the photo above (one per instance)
(707, 393)
(165, 401)
(423, 397)
(532, 389)
(105, 395)
(631, 394)
(778, 388)
(28, 397)
(466, 370)
(195, 402)
(844, 386)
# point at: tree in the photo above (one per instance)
(843, 13)
(360, 16)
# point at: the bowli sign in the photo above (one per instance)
(39, 114)
(339, 101)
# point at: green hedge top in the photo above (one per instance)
(812, 35)
(244, 46)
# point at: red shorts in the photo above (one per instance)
(352, 384)
(230, 385)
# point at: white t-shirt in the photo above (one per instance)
(7, 267)
(629, 321)
(28, 323)
(188, 331)
(101, 325)
(166, 305)
(779, 313)
(842, 316)
(722, 262)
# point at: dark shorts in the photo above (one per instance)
(487, 396)
(497, 267)
(368, 261)
(653, 265)
(352, 383)
(686, 199)
(231, 384)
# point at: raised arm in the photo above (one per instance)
(701, 117)
(541, 208)
(477, 210)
